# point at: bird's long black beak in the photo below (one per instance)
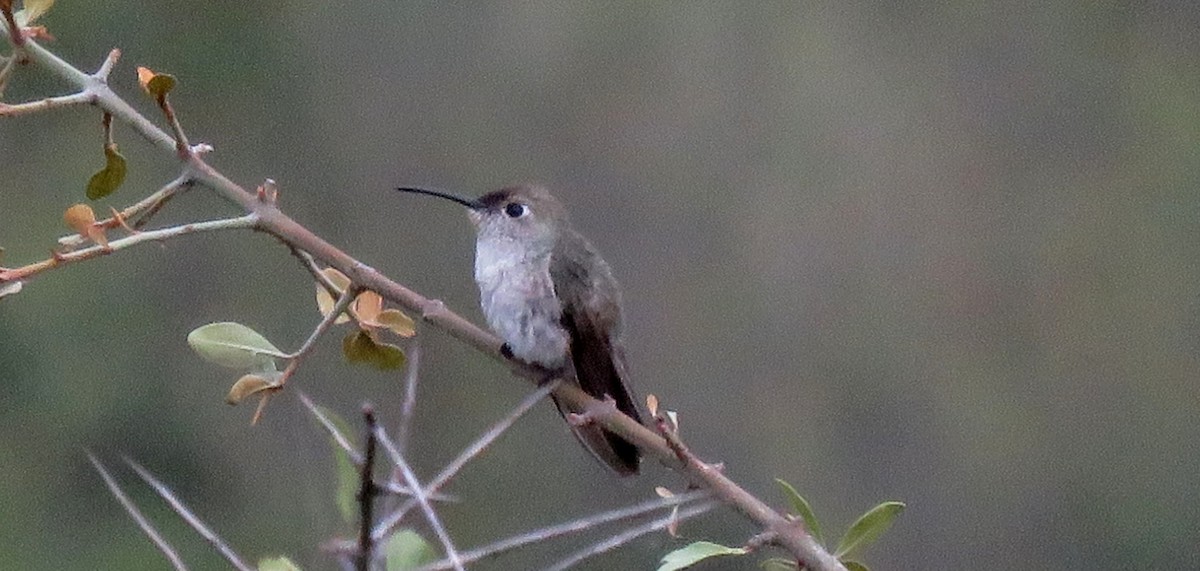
(472, 204)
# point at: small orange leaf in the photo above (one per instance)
(652, 404)
(79, 218)
(144, 76)
(156, 85)
(367, 306)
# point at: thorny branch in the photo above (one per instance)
(271, 220)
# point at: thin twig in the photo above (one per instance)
(631, 534)
(276, 223)
(150, 205)
(181, 141)
(409, 404)
(366, 494)
(47, 104)
(389, 523)
(137, 516)
(307, 261)
(332, 429)
(10, 63)
(212, 538)
(24, 272)
(355, 456)
(343, 302)
(14, 31)
(575, 526)
(419, 496)
(109, 62)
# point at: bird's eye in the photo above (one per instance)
(515, 210)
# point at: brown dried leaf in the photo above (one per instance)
(325, 301)
(246, 386)
(397, 322)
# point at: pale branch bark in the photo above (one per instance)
(630, 534)
(388, 524)
(579, 525)
(421, 497)
(271, 220)
(137, 516)
(355, 456)
(180, 508)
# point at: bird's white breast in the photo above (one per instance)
(518, 300)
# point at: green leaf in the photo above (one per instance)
(868, 528)
(235, 346)
(778, 564)
(407, 550)
(347, 485)
(359, 347)
(692, 554)
(161, 84)
(802, 509)
(109, 178)
(347, 473)
(277, 564)
(854, 566)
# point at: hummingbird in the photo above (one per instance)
(545, 290)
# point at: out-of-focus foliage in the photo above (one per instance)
(938, 252)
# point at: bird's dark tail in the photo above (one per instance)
(615, 452)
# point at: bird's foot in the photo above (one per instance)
(606, 407)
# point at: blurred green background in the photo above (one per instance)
(942, 253)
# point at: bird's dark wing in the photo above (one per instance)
(591, 314)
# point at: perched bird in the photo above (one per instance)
(553, 300)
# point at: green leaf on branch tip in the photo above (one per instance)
(854, 566)
(868, 528)
(359, 347)
(689, 555)
(778, 564)
(408, 550)
(108, 179)
(235, 346)
(277, 564)
(802, 509)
